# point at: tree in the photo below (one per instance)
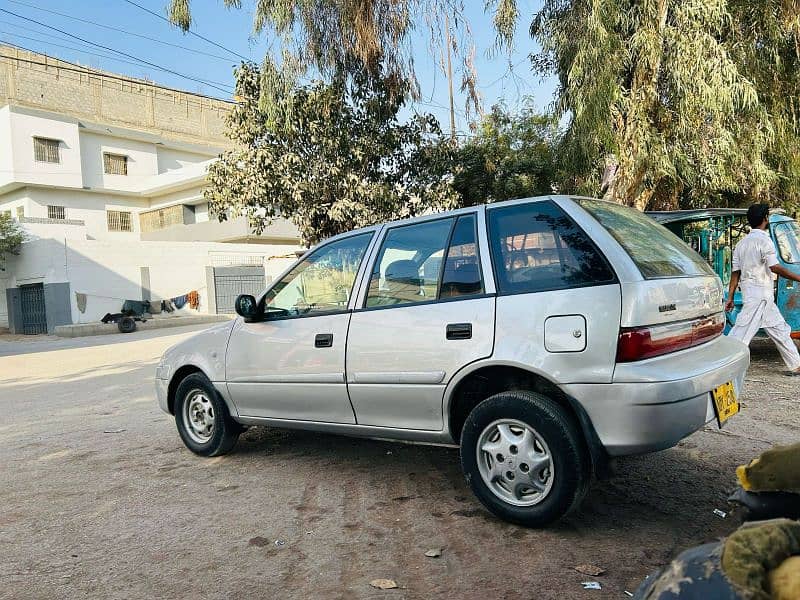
(767, 50)
(335, 37)
(512, 155)
(330, 157)
(652, 87)
(11, 237)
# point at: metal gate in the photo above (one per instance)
(229, 282)
(34, 316)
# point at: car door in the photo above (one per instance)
(423, 314)
(290, 363)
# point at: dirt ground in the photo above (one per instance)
(100, 499)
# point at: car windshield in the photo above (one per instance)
(787, 235)
(656, 251)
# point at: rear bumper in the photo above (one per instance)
(653, 404)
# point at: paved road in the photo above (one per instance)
(99, 498)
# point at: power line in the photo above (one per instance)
(80, 50)
(88, 70)
(155, 14)
(50, 43)
(213, 84)
(506, 74)
(125, 31)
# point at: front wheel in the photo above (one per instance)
(202, 418)
(524, 458)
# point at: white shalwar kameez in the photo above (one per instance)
(754, 256)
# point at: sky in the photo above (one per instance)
(185, 61)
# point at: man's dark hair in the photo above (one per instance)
(757, 213)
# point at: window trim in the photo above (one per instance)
(119, 217)
(361, 305)
(428, 302)
(47, 139)
(477, 258)
(63, 210)
(367, 250)
(498, 280)
(109, 155)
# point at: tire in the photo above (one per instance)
(197, 403)
(126, 325)
(556, 486)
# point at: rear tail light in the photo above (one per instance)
(638, 343)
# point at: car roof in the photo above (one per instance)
(443, 215)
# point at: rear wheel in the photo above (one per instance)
(202, 418)
(524, 458)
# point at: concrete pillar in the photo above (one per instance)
(211, 291)
(14, 303)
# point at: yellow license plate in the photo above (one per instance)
(725, 402)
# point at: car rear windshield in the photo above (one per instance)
(656, 251)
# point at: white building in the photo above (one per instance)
(106, 175)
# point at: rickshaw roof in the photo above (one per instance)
(703, 214)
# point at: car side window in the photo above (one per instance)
(462, 268)
(408, 264)
(536, 247)
(322, 282)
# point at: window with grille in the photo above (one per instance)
(20, 212)
(56, 212)
(153, 220)
(46, 150)
(118, 220)
(115, 164)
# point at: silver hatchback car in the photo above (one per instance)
(542, 335)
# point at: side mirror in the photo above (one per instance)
(247, 307)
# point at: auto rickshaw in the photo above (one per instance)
(714, 232)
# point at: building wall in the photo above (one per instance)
(142, 162)
(6, 154)
(38, 81)
(170, 159)
(84, 206)
(23, 128)
(109, 272)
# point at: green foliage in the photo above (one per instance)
(512, 155)
(334, 37)
(767, 50)
(330, 157)
(653, 84)
(11, 237)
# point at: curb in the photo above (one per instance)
(89, 329)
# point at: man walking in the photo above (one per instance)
(754, 262)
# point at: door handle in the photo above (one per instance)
(323, 340)
(459, 331)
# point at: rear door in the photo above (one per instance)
(423, 315)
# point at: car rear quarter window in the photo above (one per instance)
(656, 251)
(536, 247)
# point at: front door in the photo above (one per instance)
(425, 315)
(289, 364)
(34, 314)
